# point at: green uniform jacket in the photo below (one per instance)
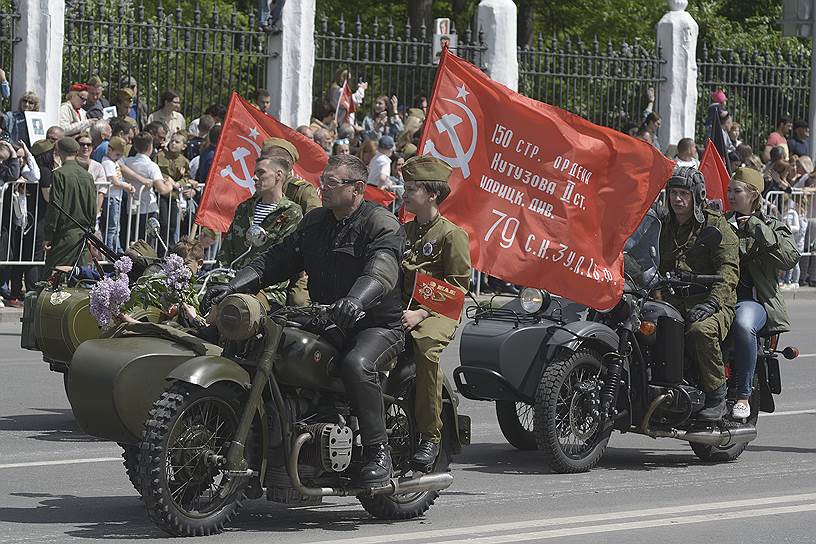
(439, 249)
(177, 168)
(283, 220)
(766, 247)
(73, 189)
(302, 193)
(675, 240)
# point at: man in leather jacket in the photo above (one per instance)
(350, 249)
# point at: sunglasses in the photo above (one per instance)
(332, 182)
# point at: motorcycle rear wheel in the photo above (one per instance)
(570, 438)
(716, 454)
(402, 439)
(516, 423)
(184, 494)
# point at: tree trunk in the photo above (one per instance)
(526, 13)
(419, 12)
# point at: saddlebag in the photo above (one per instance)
(115, 381)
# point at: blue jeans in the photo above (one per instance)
(749, 320)
(111, 208)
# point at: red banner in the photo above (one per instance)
(438, 296)
(547, 197)
(239, 146)
(715, 175)
(345, 104)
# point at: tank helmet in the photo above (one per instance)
(687, 177)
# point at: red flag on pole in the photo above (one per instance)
(547, 198)
(438, 296)
(345, 104)
(715, 175)
(230, 180)
(239, 146)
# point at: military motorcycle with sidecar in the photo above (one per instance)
(206, 428)
(625, 369)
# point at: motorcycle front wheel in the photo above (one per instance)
(402, 439)
(516, 423)
(185, 493)
(566, 430)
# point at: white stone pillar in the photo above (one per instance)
(497, 19)
(677, 35)
(291, 64)
(38, 57)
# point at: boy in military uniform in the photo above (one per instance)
(175, 166)
(438, 248)
(709, 314)
(302, 193)
(270, 210)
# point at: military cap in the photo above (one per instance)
(42, 146)
(283, 144)
(124, 94)
(426, 168)
(117, 144)
(749, 176)
(416, 112)
(68, 145)
(409, 151)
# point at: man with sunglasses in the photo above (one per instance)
(350, 249)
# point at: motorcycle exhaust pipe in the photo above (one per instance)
(427, 482)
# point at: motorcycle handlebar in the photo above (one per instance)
(699, 278)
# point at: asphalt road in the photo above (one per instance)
(59, 485)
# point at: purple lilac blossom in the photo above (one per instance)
(177, 273)
(123, 265)
(107, 298)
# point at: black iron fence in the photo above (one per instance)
(9, 15)
(606, 85)
(394, 61)
(175, 49)
(761, 86)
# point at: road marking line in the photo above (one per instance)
(587, 518)
(628, 526)
(788, 413)
(63, 462)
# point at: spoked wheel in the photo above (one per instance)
(130, 456)
(717, 454)
(186, 494)
(516, 423)
(402, 439)
(567, 428)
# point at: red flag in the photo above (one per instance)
(345, 104)
(438, 296)
(547, 197)
(715, 175)
(380, 196)
(239, 146)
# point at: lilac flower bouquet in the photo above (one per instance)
(111, 294)
(172, 286)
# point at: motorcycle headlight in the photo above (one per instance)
(239, 317)
(534, 300)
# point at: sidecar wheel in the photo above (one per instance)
(516, 423)
(186, 495)
(130, 456)
(402, 439)
(566, 432)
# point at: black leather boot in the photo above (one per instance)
(714, 404)
(376, 469)
(425, 456)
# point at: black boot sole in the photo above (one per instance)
(371, 484)
(422, 466)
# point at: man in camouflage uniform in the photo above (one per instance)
(302, 193)
(270, 210)
(708, 314)
(438, 248)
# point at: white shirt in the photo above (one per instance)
(379, 165)
(112, 172)
(142, 165)
(693, 163)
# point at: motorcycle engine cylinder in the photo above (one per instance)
(331, 447)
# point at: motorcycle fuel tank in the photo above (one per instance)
(306, 360)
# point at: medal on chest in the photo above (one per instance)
(427, 249)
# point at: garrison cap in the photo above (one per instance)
(42, 146)
(283, 144)
(426, 168)
(68, 145)
(749, 176)
(124, 94)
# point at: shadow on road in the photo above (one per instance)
(51, 424)
(783, 449)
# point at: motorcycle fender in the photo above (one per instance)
(601, 338)
(209, 369)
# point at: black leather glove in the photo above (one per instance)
(214, 295)
(346, 311)
(704, 310)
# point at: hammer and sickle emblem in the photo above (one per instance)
(447, 124)
(240, 154)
